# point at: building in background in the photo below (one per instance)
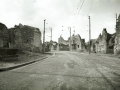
(92, 45)
(77, 43)
(53, 45)
(63, 44)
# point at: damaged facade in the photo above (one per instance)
(63, 44)
(26, 38)
(53, 45)
(77, 43)
(4, 37)
(92, 44)
(117, 38)
(105, 42)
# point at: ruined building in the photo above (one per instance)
(117, 38)
(53, 45)
(77, 43)
(26, 38)
(4, 39)
(92, 44)
(105, 42)
(62, 41)
(63, 44)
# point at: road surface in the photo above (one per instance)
(65, 71)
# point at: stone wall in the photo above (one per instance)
(26, 38)
(102, 42)
(78, 44)
(117, 38)
(63, 44)
(92, 44)
(62, 41)
(4, 39)
(53, 45)
(105, 42)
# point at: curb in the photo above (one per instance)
(23, 64)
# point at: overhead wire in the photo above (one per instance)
(78, 11)
(90, 7)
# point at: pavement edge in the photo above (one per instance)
(24, 64)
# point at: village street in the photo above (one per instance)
(65, 71)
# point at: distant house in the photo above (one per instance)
(78, 44)
(117, 38)
(53, 45)
(47, 46)
(92, 45)
(26, 38)
(63, 44)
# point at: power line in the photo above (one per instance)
(79, 11)
(81, 6)
(76, 11)
(90, 7)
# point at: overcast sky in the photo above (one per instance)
(60, 13)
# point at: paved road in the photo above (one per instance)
(65, 71)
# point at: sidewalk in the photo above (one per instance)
(21, 60)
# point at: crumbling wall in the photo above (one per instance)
(26, 38)
(105, 42)
(4, 39)
(63, 44)
(92, 45)
(62, 41)
(101, 45)
(78, 44)
(15, 38)
(1, 42)
(117, 38)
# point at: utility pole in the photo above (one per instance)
(44, 38)
(89, 34)
(51, 34)
(70, 39)
(74, 32)
(116, 18)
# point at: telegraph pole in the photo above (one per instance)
(51, 34)
(44, 38)
(116, 17)
(70, 39)
(89, 34)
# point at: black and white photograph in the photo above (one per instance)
(59, 44)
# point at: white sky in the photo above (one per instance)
(60, 13)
